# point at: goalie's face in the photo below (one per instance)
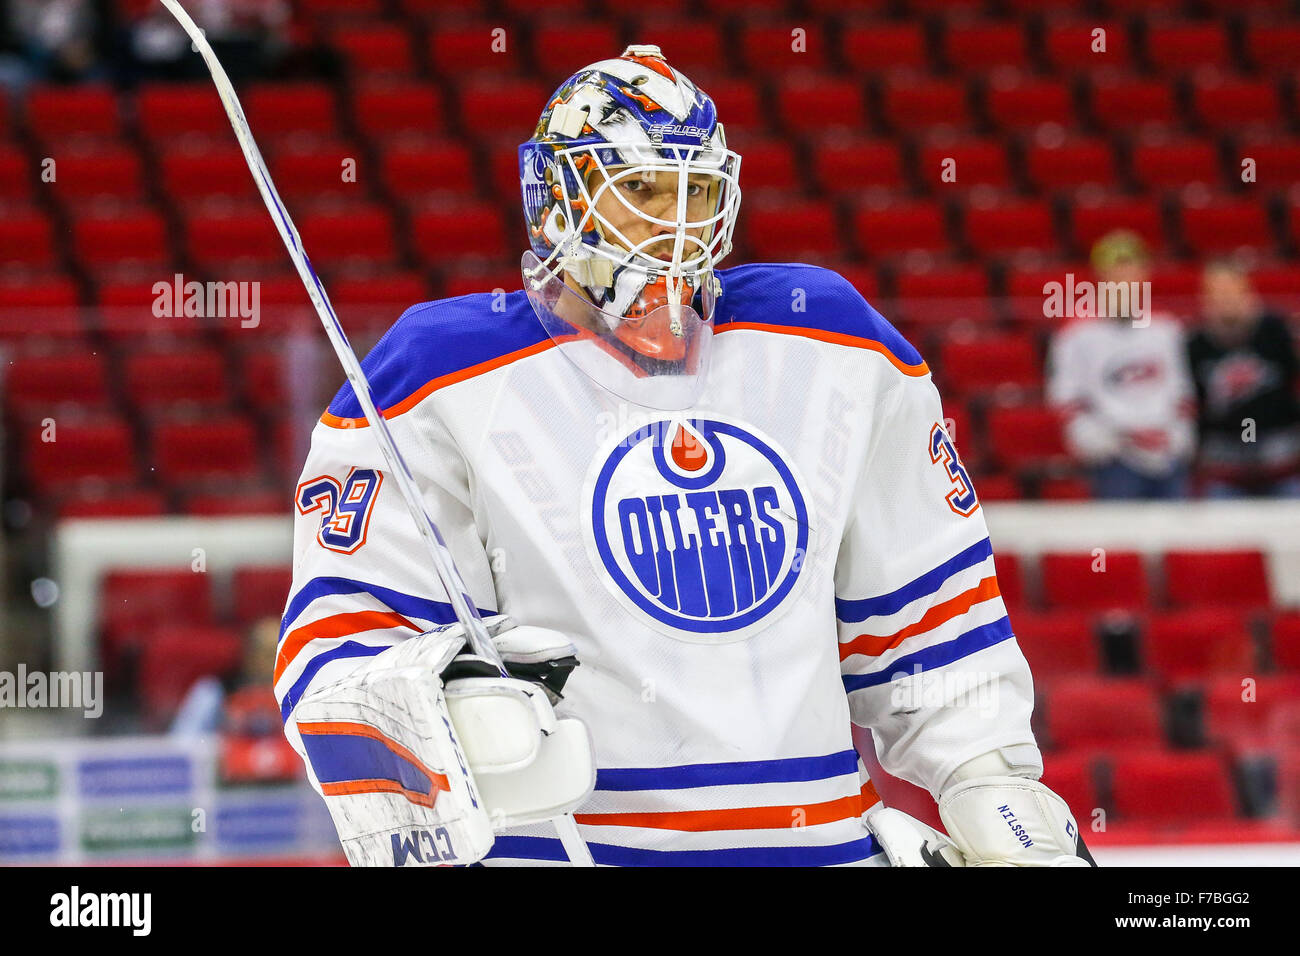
(645, 209)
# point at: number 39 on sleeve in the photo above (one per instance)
(345, 509)
(962, 498)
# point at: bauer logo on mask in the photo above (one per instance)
(700, 525)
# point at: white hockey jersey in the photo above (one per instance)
(799, 550)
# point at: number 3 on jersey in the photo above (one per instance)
(345, 509)
(962, 498)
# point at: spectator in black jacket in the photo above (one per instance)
(1244, 364)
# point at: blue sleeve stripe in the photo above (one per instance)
(343, 651)
(976, 639)
(408, 605)
(338, 758)
(609, 854)
(853, 612)
(786, 770)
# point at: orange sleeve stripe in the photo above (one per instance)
(339, 625)
(869, 796)
(835, 338)
(431, 386)
(873, 645)
(352, 729)
(743, 818)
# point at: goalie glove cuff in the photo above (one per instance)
(1011, 821)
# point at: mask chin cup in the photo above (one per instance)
(657, 359)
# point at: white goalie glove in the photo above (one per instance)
(425, 751)
(993, 818)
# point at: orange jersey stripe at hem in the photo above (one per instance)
(743, 818)
(835, 338)
(873, 645)
(338, 625)
(431, 386)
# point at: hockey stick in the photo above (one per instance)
(443, 564)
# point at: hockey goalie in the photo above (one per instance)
(712, 518)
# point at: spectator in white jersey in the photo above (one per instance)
(1119, 377)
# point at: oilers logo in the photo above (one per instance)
(701, 525)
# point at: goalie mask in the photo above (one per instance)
(630, 196)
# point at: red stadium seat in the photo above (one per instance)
(583, 41)
(137, 236)
(1086, 45)
(158, 380)
(57, 113)
(1095, 218)
(1072, 778)
(361, 232)
(912, 104)
(1224, 225)
(1175, 47)
(774, 47)
(948, 162)
(1277, 159)
(35, 386)
(984, 364)
(133, 603)
(384, 109)
(1025, 436)
(1019, 102)
(1010, 225)
(27, 238)
(502, 107)
(260, 592)
(1184, 644)
(209, 449)
(99, 448)
(167, 110)
(277, 110)
(108, 169)
(1084, 581)
(1061, 163)
(15, 173)
(945, 294)
(740, 105)
(783, 231)
(1095, 712)
(448, 231)
(1057, 644)
(250, 500)
(846, 164)
(768, 164)
(112, 504)
(315, 169)
(176, 656)
(1119, 103)
(1242, 716)
(815, 102)
(191, 173)
(872, 45)
(374, 48)
(1159, 786)
(889, 228)
(1224, 578)
(416, 169)
(1224, 104)
(1064, 488)
(215, 239)
(128, 311)
(1175, 162)
(1286, 641)
(1272, 45)
(475, 47)
(984, 45)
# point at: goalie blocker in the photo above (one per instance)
(424, 752)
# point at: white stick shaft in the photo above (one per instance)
(466, 613)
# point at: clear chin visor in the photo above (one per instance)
(657, 356)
